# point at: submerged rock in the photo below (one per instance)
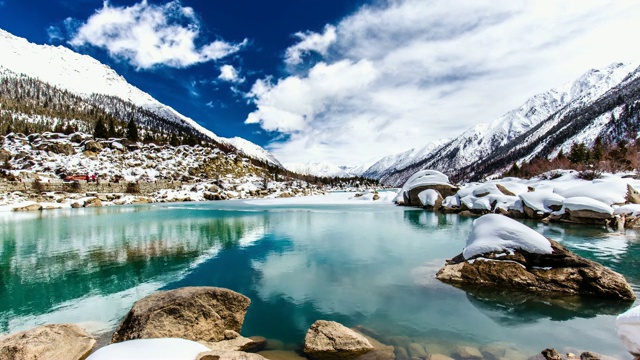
(332, 340)
(194, 313)
(495, 256)
(48, 342)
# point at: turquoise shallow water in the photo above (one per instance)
(370, 265)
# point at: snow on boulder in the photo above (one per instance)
(423, 180)
(628, 326)
(505, 255)
(580, 203)
(428, 197)
(498, 233)
(151, 349)
(538, 203)
(629, 209)
(610, 191)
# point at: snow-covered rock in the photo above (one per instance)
(628, 326)
(498, 233)
(150, 349)
(428, 197)
(579, 203)
(505, 255)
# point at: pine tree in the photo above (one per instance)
(112, 132)
(100, 131)
(598, 150)
(174, 140)
(560, 155)
(578, 153)
(132, 131)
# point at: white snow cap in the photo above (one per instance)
(586, 203)
(496, 233)
(628, 325)
(150, 349)
(426, 177)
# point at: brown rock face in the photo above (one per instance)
(411, 196)
(32, 207)
(504, 190)
(559, 272)
(193, 313)
(633, 196)
(93, 202)
(61, 148)
(48, 342)
(331, 340)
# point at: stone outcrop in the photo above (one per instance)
(331, 340)
(93, 146)
(92, 202)
(633, 196)
(32, 207)
(193, 313)
(411, 196)
(48, 342)
(60, 148)
(560, 272)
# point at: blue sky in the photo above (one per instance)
(345, 81)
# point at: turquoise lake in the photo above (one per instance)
(358, 264)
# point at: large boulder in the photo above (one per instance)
(61, 148)
(426, 180)
(331, 340)
(93, 146)
(48, 342)
(504, 253)
(193, 313)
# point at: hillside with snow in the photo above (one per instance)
(482, 141)
(86, 77)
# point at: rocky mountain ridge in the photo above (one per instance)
(482, 141)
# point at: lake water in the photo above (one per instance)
(359, 264)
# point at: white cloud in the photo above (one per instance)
(433, 69)
(230, 74)
(310, 41)
(147, 35)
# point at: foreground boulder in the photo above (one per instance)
(175, 349)
(332, 340)
(504, 253)
(48, 342)
(194, 313)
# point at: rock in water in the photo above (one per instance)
(194, 313)
(48, 342)
(331, 340)
(628, 325)
(520, 264)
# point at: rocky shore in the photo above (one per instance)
(203, 323)
(559, 196)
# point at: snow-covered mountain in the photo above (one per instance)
(322, 169)
(391, 163)
(84, 75)
(481, 141)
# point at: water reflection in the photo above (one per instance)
(52, 258)
(514, 308)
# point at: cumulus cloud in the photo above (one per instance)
(230, 74)
(310, 42)
(402, 73)
(148, 35)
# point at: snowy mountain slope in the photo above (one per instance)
(612, 116)
(252, 150)
(392, 163)
(322, 169)
(481, 141)
(84, 75)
